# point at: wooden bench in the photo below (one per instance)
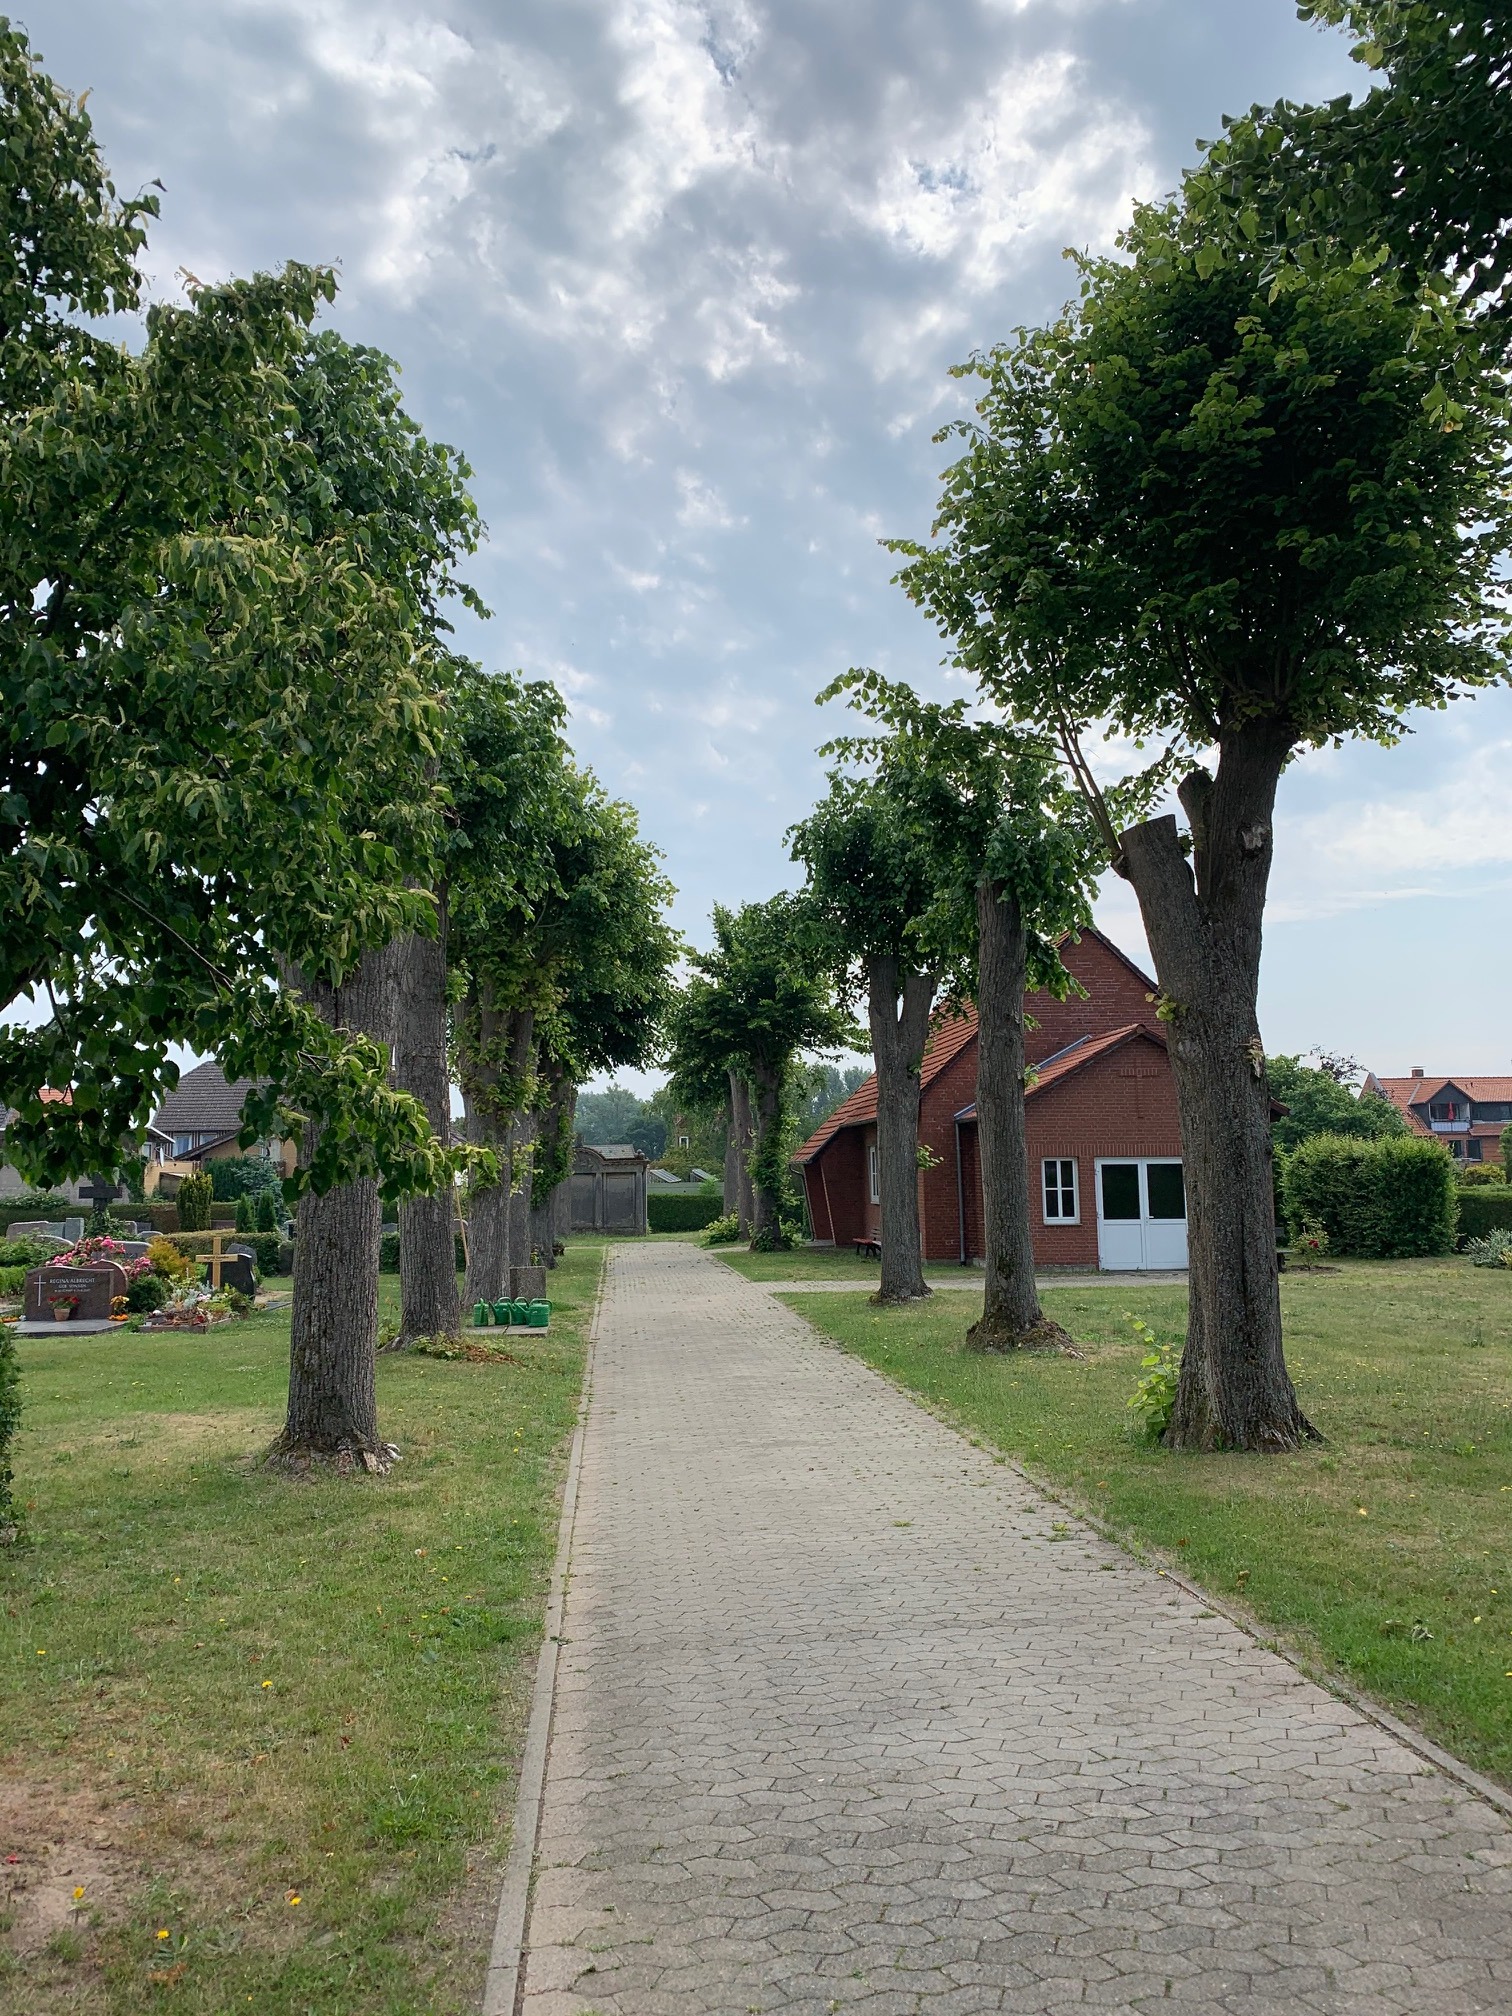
(868, 1248)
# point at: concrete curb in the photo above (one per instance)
(504, 1982)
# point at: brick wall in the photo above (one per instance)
(1116, 997)
(1121, 1105)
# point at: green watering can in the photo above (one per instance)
(501, 1312)
(519, 1312)
(481, 1315)
(538, 1315)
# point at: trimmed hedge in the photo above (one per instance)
(51, 1208)
(266, 1246)
(1390, 1199)
(688, 1212)
(1483, 1210)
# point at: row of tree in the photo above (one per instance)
(1247, 495)
(253, 802)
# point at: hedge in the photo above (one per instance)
(233, 1176)
(1388, 1199)
(51, 1208)
(687, 1212)
(266, 1246)
(1484, 1210)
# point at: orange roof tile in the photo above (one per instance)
(948, 1037)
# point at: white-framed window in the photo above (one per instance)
(682, 1141)
(1058, 1175)
(871, 1173)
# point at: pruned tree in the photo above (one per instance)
(870, 883)
(751, 1008)
(1014, 859)
(1236, 519)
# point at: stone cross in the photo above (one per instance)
(100, 1193)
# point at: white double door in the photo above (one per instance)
(1141, 1216)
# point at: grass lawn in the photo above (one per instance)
(269, 1727)
(1384, 1556)
(826, 1264)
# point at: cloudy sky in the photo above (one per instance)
(683, 279)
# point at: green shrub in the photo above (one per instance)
(1474, 1175)
(722, 1231)
(146, 1293)
(1482, 1212)
(687, 1211)
(193, 1201)
(236, 1176)
(266, 1210)
(1154, 1398)
(1495, 1250)
(24, 1252)
(13, 1279)
(244, 1219)
(1389, 1199)
(779, 1238)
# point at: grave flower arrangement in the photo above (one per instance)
(89, 1252)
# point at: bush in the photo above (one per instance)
(13, 1280)
(689, 1211)
(267, 1209)
(1495, 1250)
(1153, 1400)
(1389, 1199)
(167, 1261)
(779, 1238)
(236, 1176)
(24, 1253)
(244, 1213)
(39, 1204)
(722, 1231)
(1472, 1175)
(1482, 1212)
(193, 1201)
(146, 1293)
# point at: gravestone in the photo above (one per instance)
(67, 1231)
(237, 1269)
(527, 1284)
(95, 1286)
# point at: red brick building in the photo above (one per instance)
(1466, 1114)
(1104, 1145)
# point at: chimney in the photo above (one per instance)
(1417, 1070)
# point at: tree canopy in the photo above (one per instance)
(1419, 166)
(221, 667)
(1320, 1100)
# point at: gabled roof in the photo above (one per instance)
(612, 1151)
(203, 1102)
(1075, 1057)
(948, 1037)
(1413, 1096)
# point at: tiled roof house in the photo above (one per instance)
(1466, 1113)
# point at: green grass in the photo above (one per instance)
(826, 1264)
(1383, 1557)
(250, 1689)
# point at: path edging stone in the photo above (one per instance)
(504, 1980)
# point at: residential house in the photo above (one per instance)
(200, 1119)
(1103, 1139)
(1466, 1113)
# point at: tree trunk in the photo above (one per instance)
(1204, 922)
(764, 1109)
(742, 1145)
(898, 1009)
(1011, 1315)
(495, 1061)
(553, 1163)
(333, 1400)
(522, 1146)
(731, 1162)
(429, 1305)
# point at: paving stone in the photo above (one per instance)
(806, 1757)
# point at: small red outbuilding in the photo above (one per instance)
(1104, 1145)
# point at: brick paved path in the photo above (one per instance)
(850, 1718)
